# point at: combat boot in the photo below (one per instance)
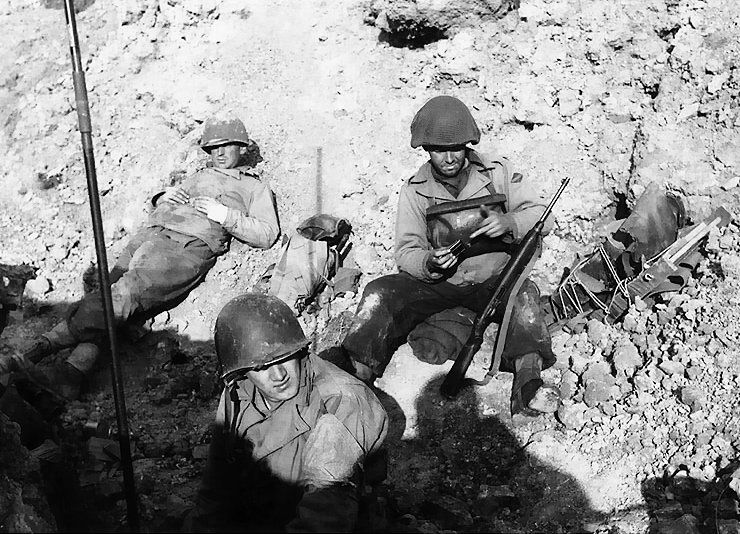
(529, 394)
(56, 339)
(40, 349)
(83, 357)
(64, 380)
(71, 374)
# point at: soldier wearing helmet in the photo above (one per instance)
(456, 194)
(190, 226)
(292, 431)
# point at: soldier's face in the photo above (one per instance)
(225, 156)
(447, 161)
(278, 382)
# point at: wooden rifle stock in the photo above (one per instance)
(512, 271)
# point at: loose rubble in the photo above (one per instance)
(615, 95)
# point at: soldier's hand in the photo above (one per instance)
(211, 208)
(441, 259)
(494, 224)
(174, 195)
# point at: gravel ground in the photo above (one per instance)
(615, 95)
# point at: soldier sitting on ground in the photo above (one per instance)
(292, 431)
(433, 278)
(191, 225)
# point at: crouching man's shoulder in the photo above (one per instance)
(352, 402)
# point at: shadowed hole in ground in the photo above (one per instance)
(412, 36)
(80, 5)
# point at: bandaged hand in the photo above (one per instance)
(211, 208)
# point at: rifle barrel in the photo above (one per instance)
(555, 198)
(85, 126)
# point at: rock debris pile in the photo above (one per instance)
(615, 95)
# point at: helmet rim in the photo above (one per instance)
(284, 353)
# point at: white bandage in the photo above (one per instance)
(218, 213)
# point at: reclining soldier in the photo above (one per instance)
(191, 225)
(292, 431)
(434, 278)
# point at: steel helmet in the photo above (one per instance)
(218, 131)
(255, 330)
(444, 121)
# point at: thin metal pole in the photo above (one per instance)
(83, 116)
(319, 179)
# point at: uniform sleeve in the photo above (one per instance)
(256, 224)
(185, 184)
(526, 205)
(331, 477)
(355, 425)
(412, 246)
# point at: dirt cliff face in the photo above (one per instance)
(615, 95)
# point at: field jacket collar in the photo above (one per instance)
(426, 186)
(287, 421)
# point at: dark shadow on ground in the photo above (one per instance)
(467, 472)
(452, 475)
(171, 390)
(677, 502)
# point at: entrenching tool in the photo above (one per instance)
(85, 126)
(659, 270)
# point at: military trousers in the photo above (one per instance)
(392, 306)
(155, 272)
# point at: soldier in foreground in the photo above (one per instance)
(433, 277)
(292, 431)
(191, 225)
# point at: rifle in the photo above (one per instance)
(659, 269)
(504, 284)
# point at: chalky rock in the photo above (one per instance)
(626, 358)
(598, 371)
(599, 392)
(598, 333)
(572, 415)
(568, 384)
(693, 398)
(671, 368)
(37, 288)
(569, 102)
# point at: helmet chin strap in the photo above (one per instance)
(235, 404)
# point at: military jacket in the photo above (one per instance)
(302, 458)
(413, 247)
(252, 217)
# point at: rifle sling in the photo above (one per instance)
(498, 347)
